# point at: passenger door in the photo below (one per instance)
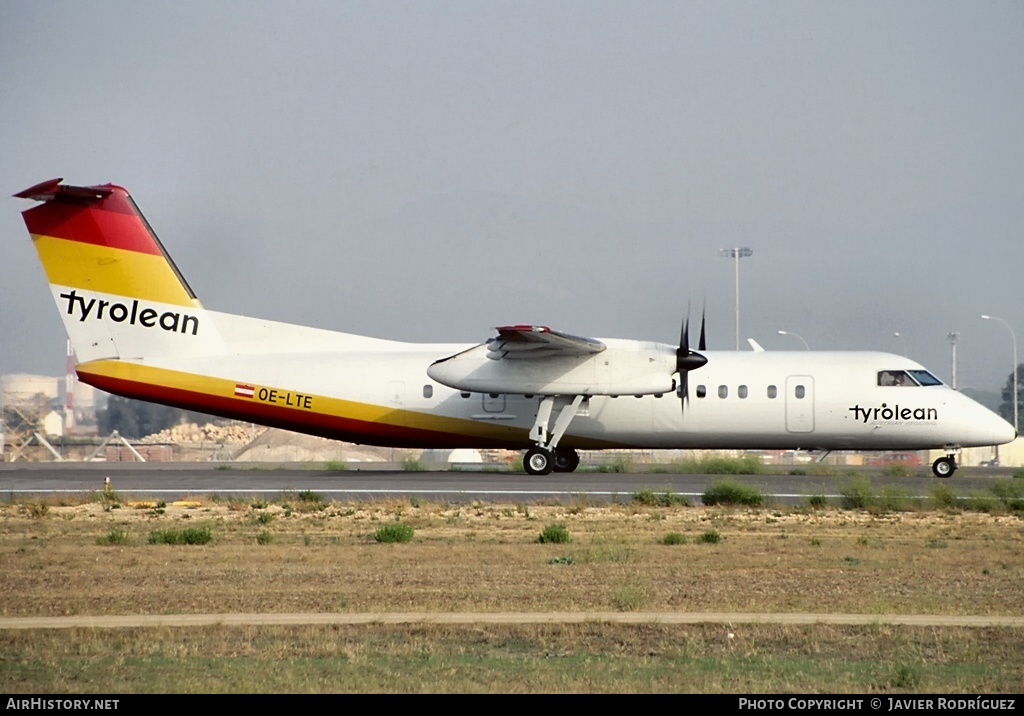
(800, 404)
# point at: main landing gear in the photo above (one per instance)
(539, 461)
(946, 466)
(545, 456)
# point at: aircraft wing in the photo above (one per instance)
(534, 342)
(534, 360)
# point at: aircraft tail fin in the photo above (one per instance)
(119, 293)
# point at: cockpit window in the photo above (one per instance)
(907, 377)
(924, 377)
(894, 377)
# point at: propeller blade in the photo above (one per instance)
(703, 345)
(687, 360)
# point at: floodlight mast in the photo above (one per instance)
(737, 254)
(1013, 335)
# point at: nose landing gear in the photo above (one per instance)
(946, 466)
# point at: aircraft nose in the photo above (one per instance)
(993, 430)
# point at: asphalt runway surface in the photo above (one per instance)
(171, 481)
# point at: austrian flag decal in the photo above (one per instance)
(244, 391)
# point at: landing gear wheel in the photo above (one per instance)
(944, 467)
(538, 461)
(566, 460)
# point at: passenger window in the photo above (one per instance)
(428, 391)
(772, 391)
(702, 391)
(464, 394)
(799, 392)
(742, 391)
(723, 391)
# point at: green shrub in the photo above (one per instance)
(394, 532)
(817, 501)
(115, 536)
(412, 464)
(905, 676)
(628, 597)
(894, 499)
(554, 534)
(714, 465)
(896, 471)
(336, 466)
(727, 492)
(709, 537)
(857, 494)
(943, 496)
(264, 518)
(651, 498)
(310, 497)
(977, 502)
(264, 537)
(674, 538)
(191, 535)
(1010, 493)
(619, 464)
(561, 560)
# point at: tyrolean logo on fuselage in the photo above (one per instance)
(884, 414)
(134, 314)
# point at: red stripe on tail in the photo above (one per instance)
(104, 220)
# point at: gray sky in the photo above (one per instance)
(429, 170)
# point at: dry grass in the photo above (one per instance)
(487, 558)
(484, 557)
(599, 658)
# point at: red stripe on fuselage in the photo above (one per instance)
(301, 421)
(111, 221)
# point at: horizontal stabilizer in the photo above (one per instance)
(53, 190)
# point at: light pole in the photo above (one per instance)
(1014, 336)
(788, 333)
(897, 335)
(737, 253)
(953, 338)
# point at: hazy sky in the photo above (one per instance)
(429, 170)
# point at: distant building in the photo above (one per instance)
(21, 388)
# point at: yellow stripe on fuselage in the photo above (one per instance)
(108, 270)
(320, 406)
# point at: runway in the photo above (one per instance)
(170, 481)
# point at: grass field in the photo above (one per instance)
(304, 554)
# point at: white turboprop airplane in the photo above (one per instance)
(138, 330)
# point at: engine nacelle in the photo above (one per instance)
(624, 368)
